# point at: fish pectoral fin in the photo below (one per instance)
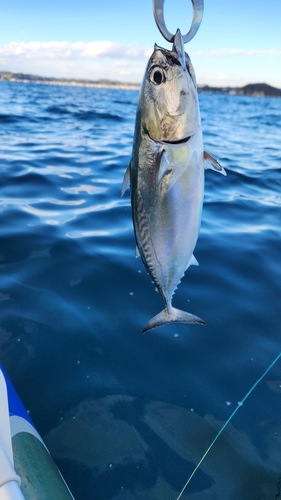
(212, 163)
(172, 315)
(192, 262)
(164, 167)
(126, 180)
(137, 252)
(167, 172)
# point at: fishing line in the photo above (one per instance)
(227, 422)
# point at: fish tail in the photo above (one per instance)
(172, 315)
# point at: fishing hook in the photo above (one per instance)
(198, 7)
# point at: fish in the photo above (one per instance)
(166, 174)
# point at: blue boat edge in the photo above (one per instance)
(28, 470)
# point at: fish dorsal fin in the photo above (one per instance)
(212, 163)
(126, 180)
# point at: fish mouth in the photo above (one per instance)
(179, 141)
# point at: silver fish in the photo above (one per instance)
(166, 174)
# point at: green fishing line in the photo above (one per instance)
(227, 422)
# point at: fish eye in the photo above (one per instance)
(157, 75)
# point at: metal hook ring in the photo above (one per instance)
(198, 7)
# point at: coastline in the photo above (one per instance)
(22, 78)
(254, 89)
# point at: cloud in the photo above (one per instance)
(238, 52)
(126, 62)
(106, 49)
(67, 50)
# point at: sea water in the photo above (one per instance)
(126, 415)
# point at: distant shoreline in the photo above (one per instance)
(103, 83)
(254, 89)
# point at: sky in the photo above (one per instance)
(238, 42)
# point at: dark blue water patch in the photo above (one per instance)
(10, 168)
(8, 118)
(268, 119)
(130, 103)
(255, 185)
(13, 118)
(21, 118)
(60, 110)
(32, 183)
(141, 475)
(93, 115)
(8, 228)
(57, 159)
(163, 457)
(28, 144)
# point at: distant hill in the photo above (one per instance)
(253, 89)
(260, 89)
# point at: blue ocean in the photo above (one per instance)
(128, 415)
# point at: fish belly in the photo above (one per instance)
(167, 220)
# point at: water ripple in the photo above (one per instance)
(72, 290)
